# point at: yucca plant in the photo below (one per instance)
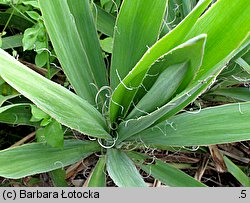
(134, 104)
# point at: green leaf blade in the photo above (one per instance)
(191, 52)
(164, 172)
(37, 158)
(73, 34)
(17, 114)
(58, 102)
(137, 28)
(169, 80)
(54, 134)
(98, 176)
(237, 172)
(122, 170)
(105, 21)
(238, 93)
(216, 125)
(217, 27)
(126, 90)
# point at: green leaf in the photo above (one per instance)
(37, 158)
(187, 6)
(16, 21)
(122, 170)
(40, 135)
(54, 134)
(98, 175)
(1, 41)
(1, 82)
(55, 100)
(164, 172)
(46, 121)
(243, 64)
(6, 98)
(105, 21)
(213, 69)
(163, 89)
(103, 2)
(17, 114)
(12, 41)
(41, 59)
(126, 90)
(107, 44)
(30, 37)
(137, 28)
(73, 34)
(58, 177)
(37, 114)
(33, 3)
(237, 172)
(238, 93)
(191, 52)
(217, 25)
(33, 14)
(216, 125)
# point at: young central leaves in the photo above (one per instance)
(161, 91)
(191, 51)
(124, 93)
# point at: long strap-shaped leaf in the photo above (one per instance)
(209, 74)
(164, 172)
(122, 170)
(237, 172)
(216, 125)
(224, 34)
(126, 90)
(191, 51)
(238, 93)
(98, 176)
(137, 28)
(61, 104)
(105, 22)
(73, 34)
(163, 89)
(36, 158)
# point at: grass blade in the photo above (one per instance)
(170, 79)
(243, 64)
(192, 52)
